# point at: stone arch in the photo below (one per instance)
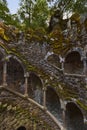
(85, 24)
(2, 55)
(21, 128)
(15, 74)
(74, 117)
(17, 59)
(53, 103)
(1, 68)
(73, 63)
(35, 88)
(54, 60)
(2, 51)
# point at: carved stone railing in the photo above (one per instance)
(45, 111)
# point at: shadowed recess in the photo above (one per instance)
(53, 103)
(73, 63)
(1, 68)
(54, 60)
(21, 128)
(35, 88)
(74, 117)
(15, 75)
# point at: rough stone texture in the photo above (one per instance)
(16, 111)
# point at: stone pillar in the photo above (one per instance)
(69, 24)
(5, 73)
(44, 97)
(62, 60)
(84, 58)
(64, 120)
(62, 66)
(63, 113)
(85, 69)
(85, 66)
(26, 75)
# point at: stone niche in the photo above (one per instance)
(1, 68)
(21, 128)
(54, 60)
(53, 103)
(73, 63)
(74, 117)
(15, 75)
(35, 87)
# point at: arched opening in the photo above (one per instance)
(15, 75)
(85, 24)
(35, 88)
(21, 128)
(73, 63)
(74, 117)
(54, 60)
(53, 103)
(1, 68)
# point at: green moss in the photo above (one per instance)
(83, 106)
(4, 47)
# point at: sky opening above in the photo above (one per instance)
(13, 5)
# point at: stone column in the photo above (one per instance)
(84, 58)
(64, 120)
(63, 113)
(85, 66)
(44, 97)
(5, 73)
(26, 75)
(62, 66)
(69, 24)
(62, 60)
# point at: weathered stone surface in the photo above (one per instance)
(70, 88)
(16, 111)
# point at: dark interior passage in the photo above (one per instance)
(73, 63)
(15, 75)
(54, 60)
(1, 68)
(53, 103)
(35, 88)
(21, 128)
(74, 117)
